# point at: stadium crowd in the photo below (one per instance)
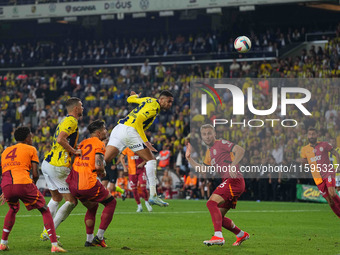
(37, 99)
(88, 51)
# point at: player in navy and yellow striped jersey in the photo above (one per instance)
(56, 165)
(130, 133)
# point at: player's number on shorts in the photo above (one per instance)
(222, 184)
(89, 149)
(12, 154)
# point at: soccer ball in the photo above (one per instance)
(242, 44)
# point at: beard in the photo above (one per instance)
(312, 140)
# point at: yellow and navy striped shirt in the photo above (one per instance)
(142, 117)
(58, 156)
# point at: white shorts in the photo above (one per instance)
(337, 181)
(55, 177)
(123, 136)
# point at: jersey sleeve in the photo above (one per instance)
(303, 153)
(35, 157)
(228, 145)
(69, 126)
(134, 99)
(207, 158)
(100, 148)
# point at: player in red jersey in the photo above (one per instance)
(137, 175)
(83, 183)
(16, 163)
(316, 155)
(224, 155)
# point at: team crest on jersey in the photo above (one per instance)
(321, 148)
(214, 152)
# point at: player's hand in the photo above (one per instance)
(78, 152)
(188, 151)
(134, 93)
(141, 165)
(149, 145)
(2, 199)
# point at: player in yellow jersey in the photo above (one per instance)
(56, 165)
(130, 133)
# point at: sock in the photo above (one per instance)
(8, 223)
(229, 224)
(63, 212)
(241, 234)
(53, 206)
(215, 214)
(218, 234)
(336, 206)
(89, 238)
(139, 206)
(107, 215)
(90, 220)
(5, 242)
(119, 189)
(100, 234)
(55, 243)
(150, 167)
(49, 226)
(136, 195)
(144, 193)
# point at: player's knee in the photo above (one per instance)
(70, 205)
(15, 208)
(332, 192)
(211, 203)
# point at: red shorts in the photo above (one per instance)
(27, 193)
(326, 182)
(230, 190)
(140, 177)
(97, 193)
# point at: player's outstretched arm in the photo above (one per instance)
(192, 162)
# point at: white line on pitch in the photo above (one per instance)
(186, 212)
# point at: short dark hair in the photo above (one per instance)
(166, 93)
(207, 126)
(21, 133)
(95, 125)
(312, 129)
(71, 102)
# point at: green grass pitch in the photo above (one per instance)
(274, 228)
